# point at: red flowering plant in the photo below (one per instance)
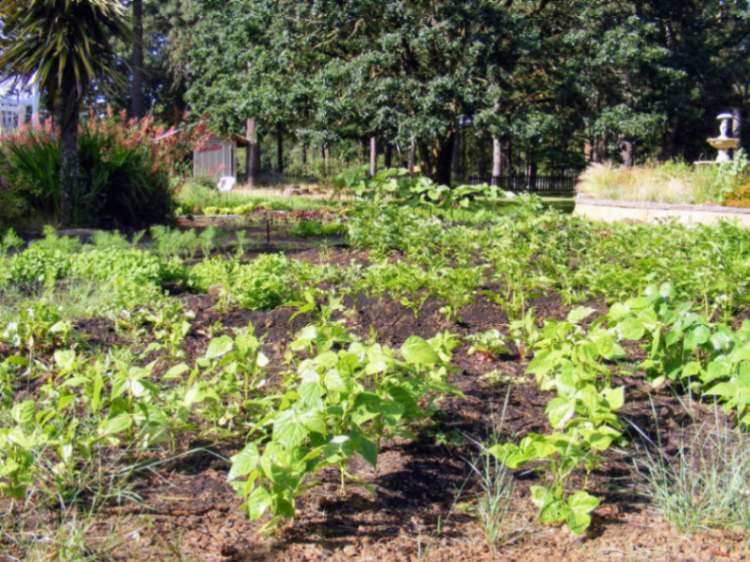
(126, 167)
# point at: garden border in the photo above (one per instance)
(608, 210)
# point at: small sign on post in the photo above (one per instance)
(226, 184)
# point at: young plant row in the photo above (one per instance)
(576, 363)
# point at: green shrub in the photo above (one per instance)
(196, 197)
(131, 264)
(124, 181)
(125, 175)
(29, 170)
(36, 265)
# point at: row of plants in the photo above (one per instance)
(340, 397)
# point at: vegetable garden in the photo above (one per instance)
(415, 374)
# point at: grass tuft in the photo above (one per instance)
(705, 484)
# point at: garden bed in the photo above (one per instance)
(422, 500)
(417, 503)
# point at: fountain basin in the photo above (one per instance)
(724, 143)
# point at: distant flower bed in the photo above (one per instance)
(671, 182)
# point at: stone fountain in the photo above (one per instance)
(724, 142)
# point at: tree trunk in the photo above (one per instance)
(737, 125)
(325, 154)
(626, 153)
(456, 164)
(412, 155)
(497, 160)
(279, 150)
(594, 154)
(388, 155)
(373, 156)
(531, 169)
(304, 154)
(444, 163)
(251, 162)
(70, 165)
(137, 109)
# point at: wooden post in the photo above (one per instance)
(325, 154)
(279, 149)
(497, 161)
(412, 155)
(252, 156)
(373, 156)
(737, 124)
(456, 164)
(626, 152)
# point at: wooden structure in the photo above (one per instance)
(217, 157)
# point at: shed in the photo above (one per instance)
(217, 157)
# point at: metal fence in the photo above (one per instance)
(564, 185)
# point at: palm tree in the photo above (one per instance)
(136, 82)
(63, 45)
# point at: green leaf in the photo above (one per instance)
(726, 390)
(560, 411)
(615, 397)
(176, 372)
(581, 505)
(116, 425)
(258, 502)
(418, 352)
(631, 329)
(697, 337)
(579, 314)
(244, 462)
(366, 448)
(219, 347)
(65, 359)
(540, 496)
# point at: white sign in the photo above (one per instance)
(227, 183)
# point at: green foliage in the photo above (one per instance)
(30, 169)
(317, 229)
(398, 187)
(491, 343)
(583, 416)
(123, 179)
(344, 403)
(266, 282)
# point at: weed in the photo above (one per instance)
(704, 484)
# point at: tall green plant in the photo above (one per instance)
(64, 45)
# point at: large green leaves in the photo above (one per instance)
(418, 352)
